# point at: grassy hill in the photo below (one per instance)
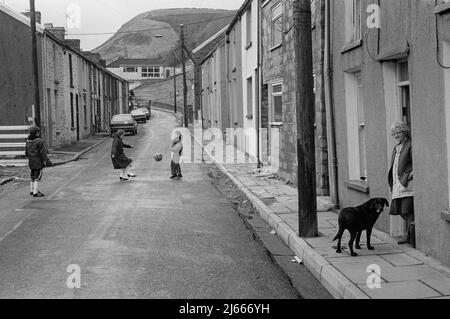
(156, 33)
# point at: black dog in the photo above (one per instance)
(357, 219)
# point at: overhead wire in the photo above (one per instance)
(151, 29)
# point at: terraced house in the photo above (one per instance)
(78, 95)
(396, 71)
(372, 67)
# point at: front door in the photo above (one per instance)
(398, 108)
(78, 117)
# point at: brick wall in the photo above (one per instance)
(279, 65)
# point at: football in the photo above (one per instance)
(158, 157)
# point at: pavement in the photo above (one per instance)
(391, 271)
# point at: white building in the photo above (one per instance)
(138, 70)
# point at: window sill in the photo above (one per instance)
(351, 46)
(276, 47)
(249, 117)
(442, 8)
(248, 46)
(276, 124)
(359, 186)
(445, 215)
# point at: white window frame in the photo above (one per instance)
(127, 69)
(401, 85)
(276, 16)
(356, 135)
(353, 21)
(248, 30)
(272, 102)
(151, 72)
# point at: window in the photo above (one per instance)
(151, 72)
(277, 25)
(249, 27)
(356, 130)
(352, 20)
(404, 92)
(277, 103)
(130, 69)
(249, 98)
(71, 70)
(361, 128)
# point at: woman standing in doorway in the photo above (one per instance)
(119, 159)
(400, 180)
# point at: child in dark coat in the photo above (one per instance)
(37, 159)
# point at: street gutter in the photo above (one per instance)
(78, 155)
(336, 283)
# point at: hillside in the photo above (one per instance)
(157, 32)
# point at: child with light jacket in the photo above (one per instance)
(176, 151)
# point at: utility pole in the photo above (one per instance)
(307, 204)
(184, 76)
(37, 99)
(175, 83)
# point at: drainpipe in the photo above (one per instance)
(331, 136)
(44, 93)
(258, 91)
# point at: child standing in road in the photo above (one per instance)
(176, 151)
(37, 159)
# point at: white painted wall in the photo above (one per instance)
(249, 67)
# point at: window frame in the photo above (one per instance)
(274, 95)
(273, 26)
(403, 87)
(248, 31)
(353, 21)
(152, 72)
(356, 131)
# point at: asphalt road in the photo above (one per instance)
(151, 237)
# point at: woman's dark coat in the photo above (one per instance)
(404, 164)
(120, 160)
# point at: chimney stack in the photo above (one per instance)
(74, 43)
(59, 32)
(92, 56)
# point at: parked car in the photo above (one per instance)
(139, 115)
(146, 111)
(125, 122)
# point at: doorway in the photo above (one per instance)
(398, 108)
(77, 112)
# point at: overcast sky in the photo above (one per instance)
(100, 16)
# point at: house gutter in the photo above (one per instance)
(258, 91)
(331, 136)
